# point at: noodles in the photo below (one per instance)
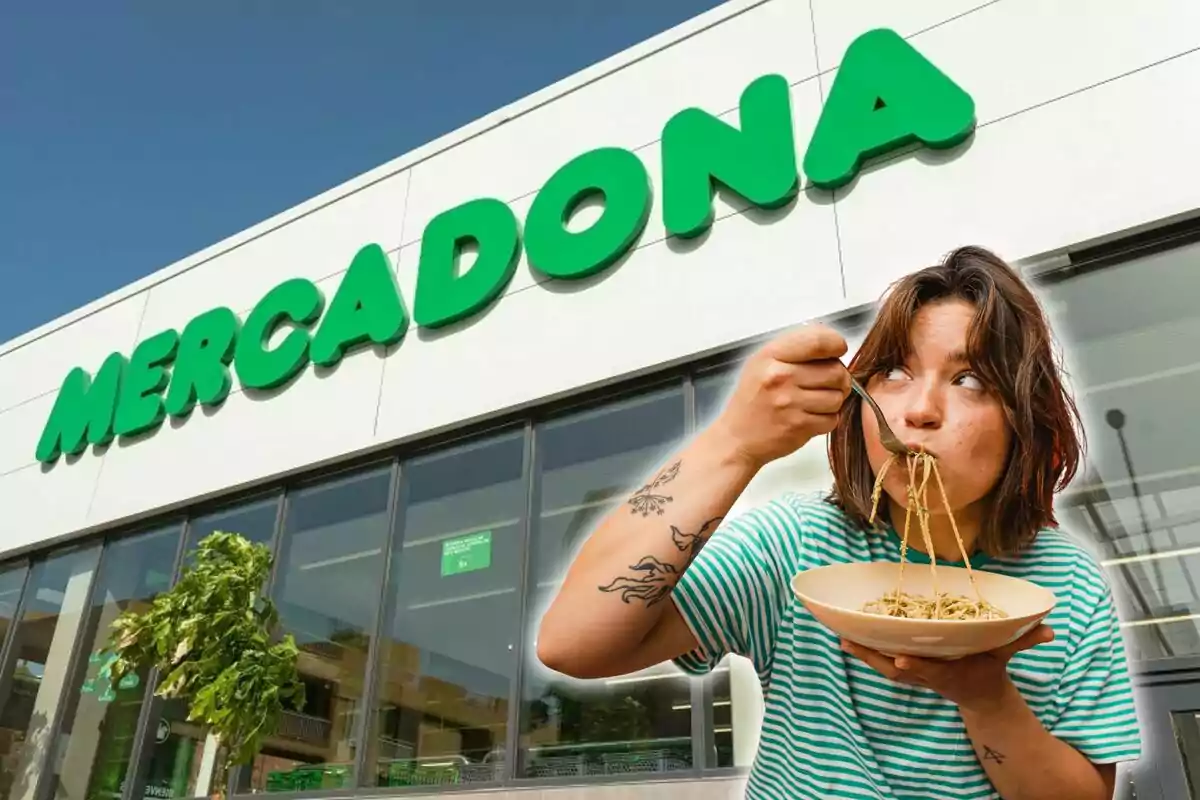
(942, 605)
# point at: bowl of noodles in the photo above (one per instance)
(901, 608)
(858, 601)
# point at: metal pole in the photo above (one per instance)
(364, 733)
(10, 639)
(525, 586)
(239, 777)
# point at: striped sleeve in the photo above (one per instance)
(731, 597)
(1097, 715)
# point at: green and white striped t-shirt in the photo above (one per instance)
(833, 727)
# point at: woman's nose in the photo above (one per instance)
(923, 410)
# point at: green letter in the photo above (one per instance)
(885, 95)
(366, 308)
(202, 366)
(445, 296)
(758, 161)
(614, 174)
(83, 411)
(140, 408)
(298, 301)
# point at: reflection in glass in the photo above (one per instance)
(41, 648)
(711, 392)
(448, 655)
(588, 464)
(330, 575)
(96, 738)
(184, 758)
(1138, 495)
(12, 578)
(1186, 726)
(253, 521)
(718, 694)
(181, 754)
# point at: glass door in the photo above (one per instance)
(1172, 746)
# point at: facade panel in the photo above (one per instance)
(1063, 174)
(322, 415)
(317, 245)
(35, 368)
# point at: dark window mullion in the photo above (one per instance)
(530, 481)
(239, 777)
(365, 730)
(6, 668)
(152, 705)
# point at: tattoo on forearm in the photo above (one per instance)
(993, 755)
(691, 543)
(647, 500)
(652, 580)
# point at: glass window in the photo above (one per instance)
(588, 463)
(449, 651)
(99, 724)
(39, 664)
(711, 391)
(328, 587)
(12, 578)
(1186, 725)
(182, 756)
(1138, 495)
(254, 521)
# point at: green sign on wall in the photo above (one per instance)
(886, 95)
(467, 553)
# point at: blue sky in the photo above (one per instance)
(130, 138)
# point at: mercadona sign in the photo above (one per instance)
(885, 95)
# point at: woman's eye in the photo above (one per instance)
(970, 381)
(895, 374)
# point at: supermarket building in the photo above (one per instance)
(424, 445)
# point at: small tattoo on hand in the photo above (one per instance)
(647, 501)
(993, 755)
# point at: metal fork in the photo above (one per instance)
(889, 439)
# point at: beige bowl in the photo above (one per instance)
(834, 594)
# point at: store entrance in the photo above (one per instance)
(1170, 767)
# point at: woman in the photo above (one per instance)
(960, 360)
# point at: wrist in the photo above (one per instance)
(1005, 697)
(727, 448)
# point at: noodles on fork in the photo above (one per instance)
(942, 605)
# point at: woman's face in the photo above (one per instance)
(935, 400)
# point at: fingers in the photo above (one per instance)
(807, 343)
(877, 661)
(826, 374)
(925, 671)
(821, 401)
(1042, 634)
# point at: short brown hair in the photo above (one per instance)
(1010, 346)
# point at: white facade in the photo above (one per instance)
(1083, 119)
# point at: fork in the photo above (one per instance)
(889, 439)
